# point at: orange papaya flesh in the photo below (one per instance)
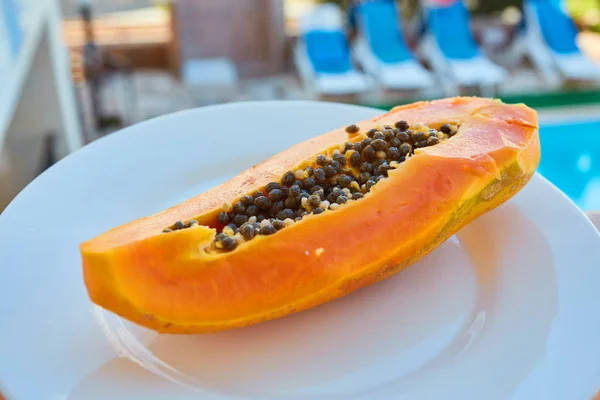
(173, 283)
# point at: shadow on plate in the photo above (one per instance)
(491, 295)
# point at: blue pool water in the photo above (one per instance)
(571, 160)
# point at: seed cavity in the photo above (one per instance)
(352, 129)
(179, 225)
(262, 202)
(335, 178)
(289, 222)
(278, 224)
(229, 243)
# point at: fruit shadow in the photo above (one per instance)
(317, 346)
(511, 325)
(332, 341)
(493, 297)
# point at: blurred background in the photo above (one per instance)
(72, 71)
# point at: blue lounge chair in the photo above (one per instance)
(451, 50)
(549, 38)
(322, 54)
(382, 51)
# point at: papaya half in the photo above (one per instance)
(317, 221)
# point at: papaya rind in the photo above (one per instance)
(118, 279)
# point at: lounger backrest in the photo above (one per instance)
(558, 29)
(450, 25)
(325, 39)
(380, 24)
(328, 51)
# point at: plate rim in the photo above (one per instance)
(108, 141)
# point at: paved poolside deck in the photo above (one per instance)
(158, 93)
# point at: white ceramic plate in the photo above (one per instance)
(507, 309)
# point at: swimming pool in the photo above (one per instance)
(571, 160)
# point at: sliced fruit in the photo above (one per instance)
(317, 221)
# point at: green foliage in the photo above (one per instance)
(408, 7)
(484, 7)
(488, 7)
(580, 7)
(586, 13)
